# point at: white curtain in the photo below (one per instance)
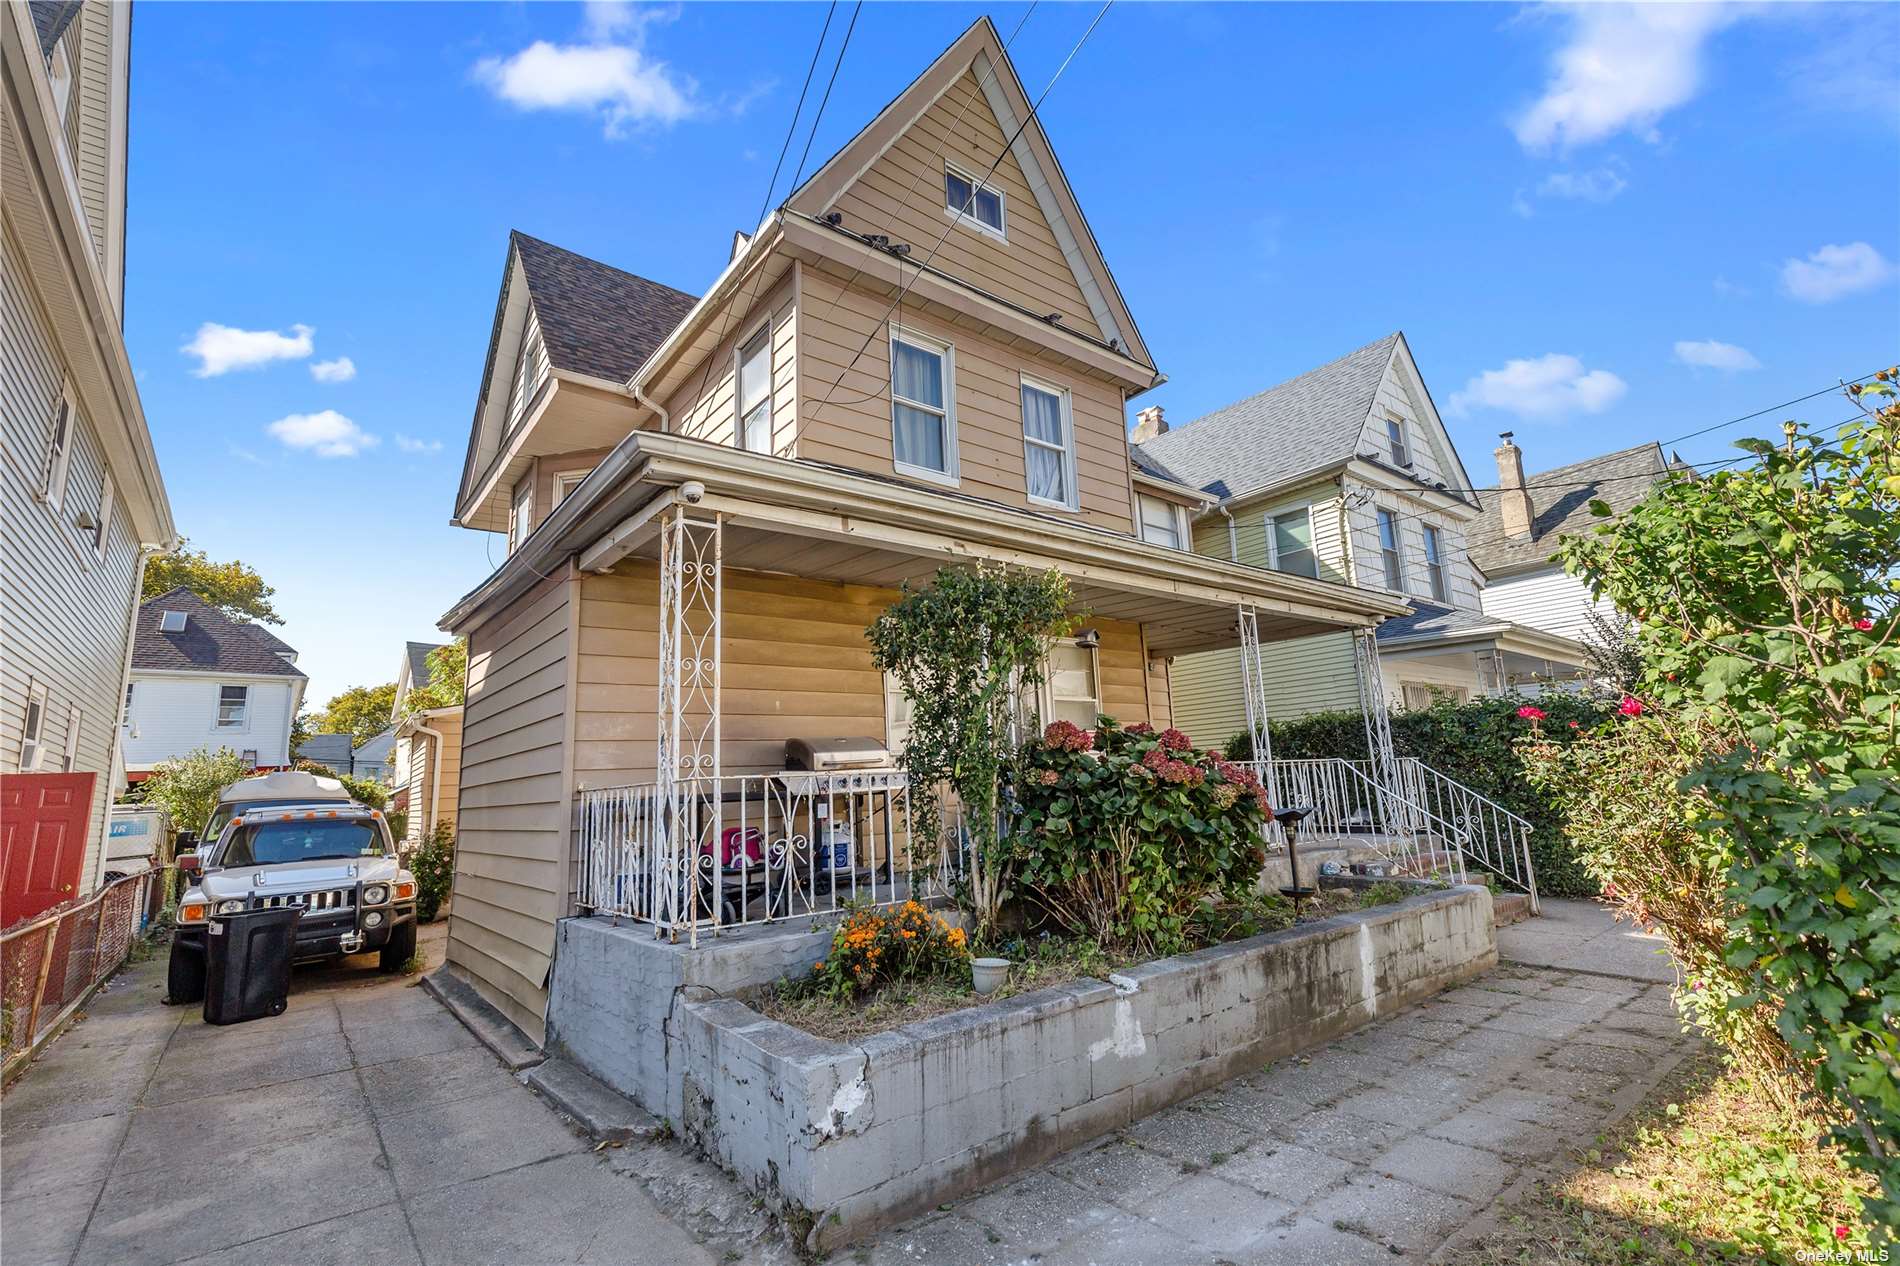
(1042, 422)
(917, 374)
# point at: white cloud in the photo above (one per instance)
(409, 444)
(1835, 271)
(223, 348)
(610, 75)
(327, 434)
(342, 369)
(1545, 389)
(1731, 289)
(1710, 354)
(1621, 69)
(1599, 184)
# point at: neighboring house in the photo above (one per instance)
(80, 492)
(203, 679)
(908, 364)
(335, 753)
(1346, 473)
(427, 743)
(1515, 540)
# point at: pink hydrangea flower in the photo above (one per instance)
(1175, 741)
(1140, 727)
(1067, 736)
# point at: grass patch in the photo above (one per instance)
(1040, 962)
(1708, 1169)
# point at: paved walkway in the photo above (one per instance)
(146, 1136)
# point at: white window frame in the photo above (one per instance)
(1062, 394)
(1393, 555)
(923, 342)
(59, 452)
(1000, 231)
(125, 717)
(1273, 537)
(75, 721)
(1177, 516)
(897, 710)
(102, 530)
(565, 482)
(165, 621)
(1399, 436)
(527, 378)
(739, 436)
(243, 723)
(520, 511)
(1437, 576)
(1046, 695)
(33, 727)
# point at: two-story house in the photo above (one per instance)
(1346, 473)
(427, 751)
(201, 679)
(919, 358)
(81, 498)
(1514, 542)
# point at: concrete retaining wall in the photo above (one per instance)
(858, 1136)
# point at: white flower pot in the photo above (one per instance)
(988, 974)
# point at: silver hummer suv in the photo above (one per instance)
(333, 858)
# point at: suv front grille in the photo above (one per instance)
(312, 902)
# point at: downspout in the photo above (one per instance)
(666, 419)
(435, 772)
(1233, 532)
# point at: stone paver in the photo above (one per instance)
(371, 1127)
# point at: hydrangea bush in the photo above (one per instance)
(1122, 832)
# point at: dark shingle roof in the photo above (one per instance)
(596, 319)
(1306, 423)
(268, 638)
(418, 653)
(1562, 508)
(50, 20)
(212, 642)
(326, 749)
(1428, 619)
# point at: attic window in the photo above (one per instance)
(171, 622)
(1395, 432)
(970, 201)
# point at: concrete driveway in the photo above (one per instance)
(365, 1124)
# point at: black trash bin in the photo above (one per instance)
(247, 964)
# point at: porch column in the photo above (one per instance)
(1253, 688)
(1372, 708)
(690, 611)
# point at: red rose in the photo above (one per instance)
(1530, 713)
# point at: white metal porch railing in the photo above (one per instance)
(739, 849)
(1427, 824)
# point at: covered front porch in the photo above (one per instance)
(1438, 652)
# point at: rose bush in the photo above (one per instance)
(1121, 833)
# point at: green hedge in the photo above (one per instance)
(1470, 743)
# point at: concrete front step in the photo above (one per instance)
(602, 1112)
(1510, 907)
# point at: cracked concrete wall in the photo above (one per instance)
(863, 1135)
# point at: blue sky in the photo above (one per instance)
(1596, 226)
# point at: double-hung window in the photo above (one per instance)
(1395, 432)
(125, 718)
(970, 201)
(1389, 551)
(75, 724)
(1161, 522)
(234, 704)
(1048, 445)
(59, 452)
(923, 413)
(1435, 564)
(521, 513)
(1290, 543)
(752, 386)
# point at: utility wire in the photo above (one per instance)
(952, 224)
(791, 129)
(822, 101)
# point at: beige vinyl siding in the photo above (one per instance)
(512, 838)
(902, 195)
(521, 395)
(854, 428)
(421, 776)
(546, 468)
(1308, 674)
(703, 405)
(794, 663)
(64, 614)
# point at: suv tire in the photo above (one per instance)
(185, 976)
(400, 948)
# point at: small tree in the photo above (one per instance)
(362, 712)
(233, 588)
(187, 786)
(448, 678)
(433, 865)
(967, 651)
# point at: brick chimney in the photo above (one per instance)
(1148, 424)
(1514, 500)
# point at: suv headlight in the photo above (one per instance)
(232, 906)
(375, 894)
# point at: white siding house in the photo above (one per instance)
(81, 499)
(203, 679)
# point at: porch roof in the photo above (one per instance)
(828, 522)
(1432, 627)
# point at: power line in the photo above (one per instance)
(952, 224)
(811, 135)
(1839, 386)
(791, 129)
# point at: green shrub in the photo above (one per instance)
(876, 947)
(1472, 744)
(187, 786)
(1121, 833)
(433, 865)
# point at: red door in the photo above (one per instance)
(43, 820)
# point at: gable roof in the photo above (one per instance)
(418, 656)
(1311, 422)
(212, 642)
(1563, 507)
(980, 48)
(325, 749)
(277, 645)
(596, 319)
